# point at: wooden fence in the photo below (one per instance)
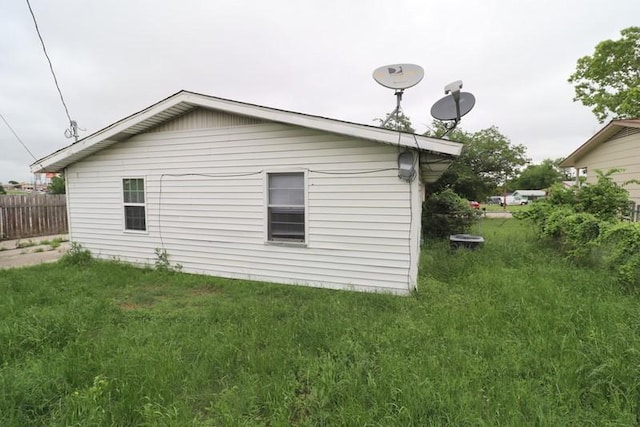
(32, 216)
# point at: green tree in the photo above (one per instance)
(537, 177)
(56, 186)
(2, 190)
(487, 161)
(609, 80)
(400, 122)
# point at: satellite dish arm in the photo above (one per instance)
(450, 127)
(396, 111)
(453, 89)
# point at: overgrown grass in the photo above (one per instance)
(507, 335)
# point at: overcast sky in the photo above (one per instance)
(114, 58)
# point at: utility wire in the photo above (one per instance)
(17, 137)
(55, 79)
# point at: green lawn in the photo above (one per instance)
(507, 335)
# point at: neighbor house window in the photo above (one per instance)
(134, 205)
(286, 216)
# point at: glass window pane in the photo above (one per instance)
(134, 218)
(286, 180)
(286, 197)
(133, 190)
(286, 224)
(286, 189)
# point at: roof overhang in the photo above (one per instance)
(184, 101)
(603, 135)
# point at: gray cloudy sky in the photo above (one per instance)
(113, 58)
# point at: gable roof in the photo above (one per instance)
(185, 101)
(612, 128)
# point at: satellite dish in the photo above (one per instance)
(453, 106)
(398, 76)
(446, 108)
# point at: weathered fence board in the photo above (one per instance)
(32, 215)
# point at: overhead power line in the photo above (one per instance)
(17, 137)
(73, 130)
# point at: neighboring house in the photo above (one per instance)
(242, 191)
(615, 146)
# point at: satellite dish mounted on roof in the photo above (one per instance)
(398, 77)
(452, 107)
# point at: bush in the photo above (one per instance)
(76, 255)
(577, 233)
(445, 213)
(606, 199)
(620, 245)
(586, 224)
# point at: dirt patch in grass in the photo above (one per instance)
(129, 306)
(148, 296)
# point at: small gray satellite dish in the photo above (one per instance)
(446, 108)
(398, 76)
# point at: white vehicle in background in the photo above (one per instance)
(513, 200)
(530, 195)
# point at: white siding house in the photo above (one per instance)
(615, 146)
(243, 191)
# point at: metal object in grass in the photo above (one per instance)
(468, 241)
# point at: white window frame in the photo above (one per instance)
(127, 204)
(267, 205)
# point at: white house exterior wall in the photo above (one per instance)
(362, 221)
(619, 153)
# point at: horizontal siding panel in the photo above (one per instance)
(95, 218)
(242, 139)
(216, 212)
(354, 203)
(272, 128)
(205, 184)
(203, 196)
(268, 147)
(356, 187)
(388, 197)
(354, 233)
(329, 181)
(367, 240)
(359, 225)
(249, 164)
(395, 212)
(153, 171)
(372, 220)
(306, 263)
(378, 248)
(203, 230)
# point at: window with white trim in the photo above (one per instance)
(285, 205)
(134, 204)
